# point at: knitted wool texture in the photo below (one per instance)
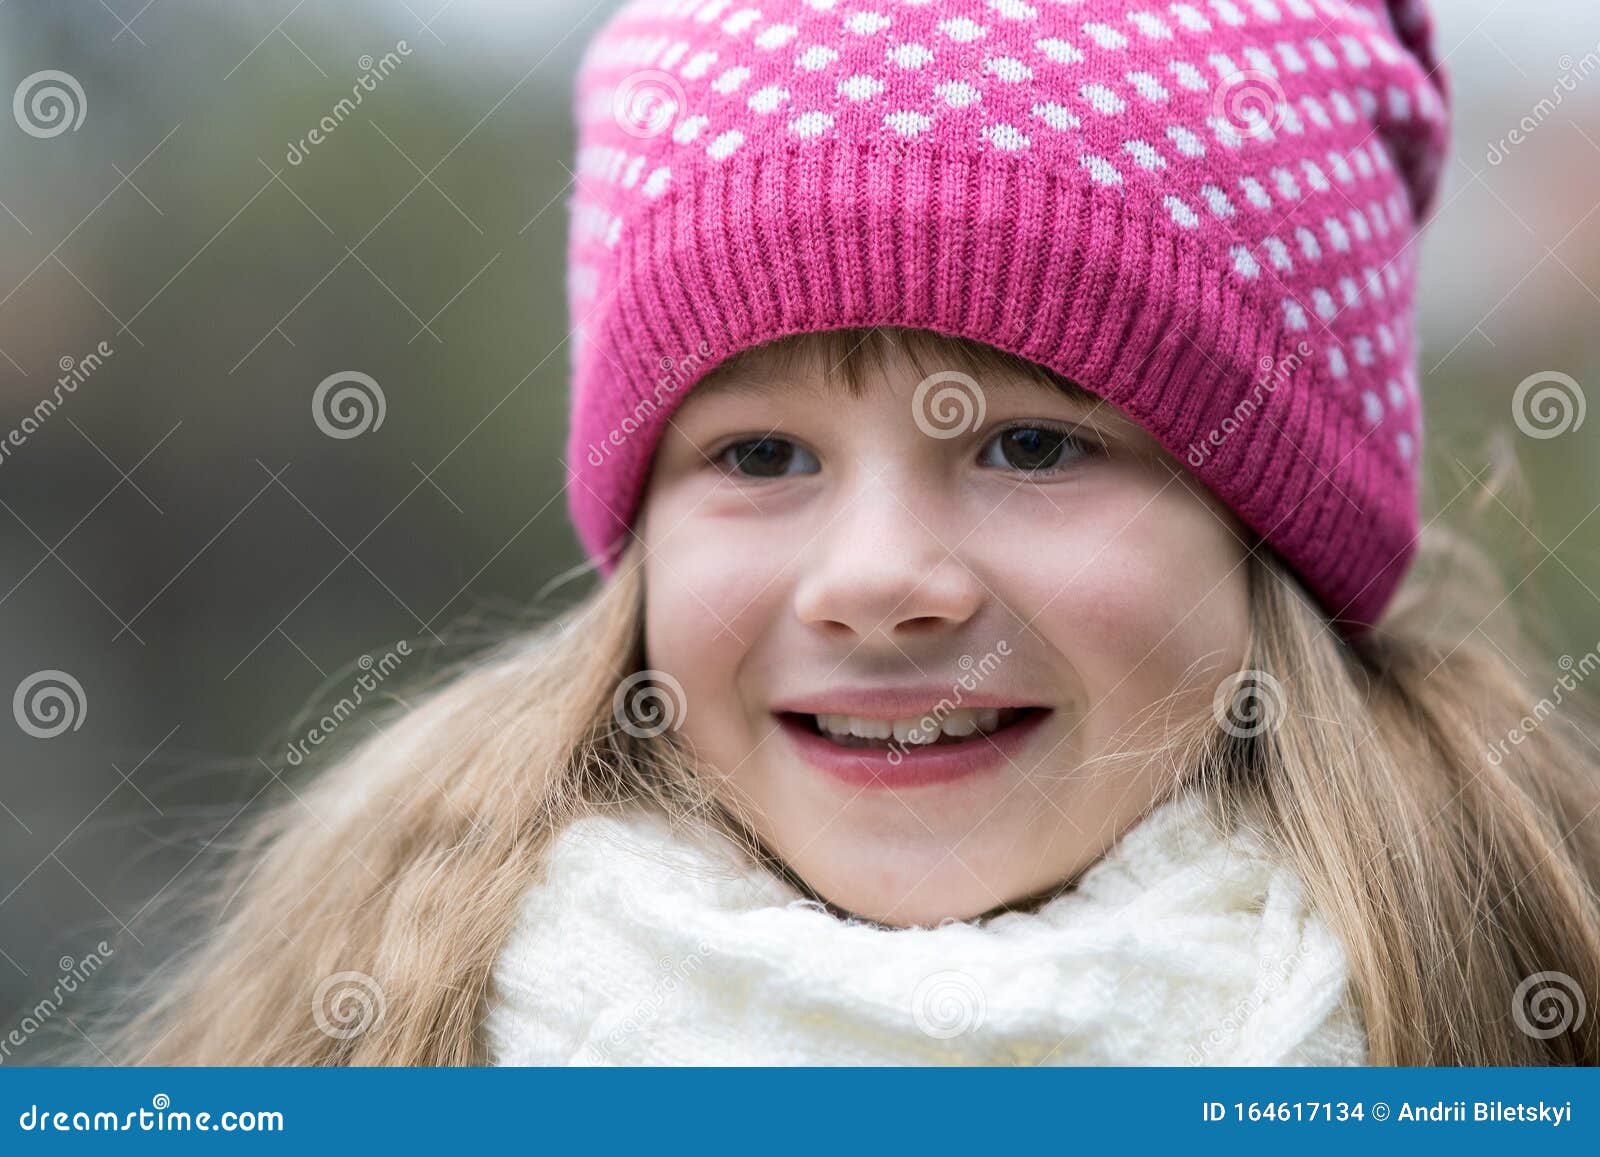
(646, 945)
(1203, 212)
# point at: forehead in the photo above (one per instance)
(854, 362)
(757, 380)
(826, 371)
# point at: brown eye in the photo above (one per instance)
(767, 458)
(1032, 449)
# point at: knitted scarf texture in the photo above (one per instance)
(649, 942)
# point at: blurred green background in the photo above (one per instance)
(183, 539)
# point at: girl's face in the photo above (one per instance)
(913, 643)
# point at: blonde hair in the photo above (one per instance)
(1460, 874)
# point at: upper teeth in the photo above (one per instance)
(916, 728)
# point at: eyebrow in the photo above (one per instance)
(747, 381)
(752, 380)
(1104, 418)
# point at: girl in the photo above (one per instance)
(996, 428)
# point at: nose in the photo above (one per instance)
(886, 565)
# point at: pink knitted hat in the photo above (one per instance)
(1203, 212)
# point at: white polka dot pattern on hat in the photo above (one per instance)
(1290, 146)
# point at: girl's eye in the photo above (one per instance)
(1032, 449)
(767, 458)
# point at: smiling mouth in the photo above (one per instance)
(961, 726)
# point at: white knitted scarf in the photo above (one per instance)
(650, 944)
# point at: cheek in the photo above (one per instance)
(708, 599)
(705, 585)
(1145, 597)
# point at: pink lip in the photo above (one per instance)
(894, 702)
(906, 766)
